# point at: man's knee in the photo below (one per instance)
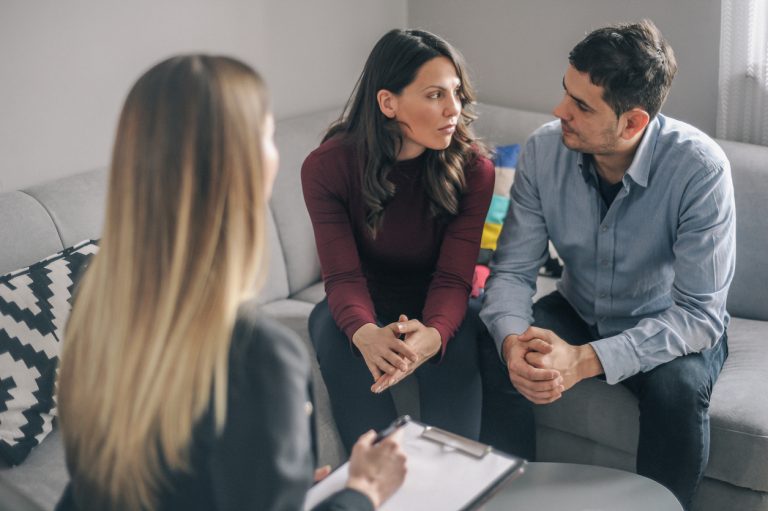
(683, 385)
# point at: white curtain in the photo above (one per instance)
(743, 85)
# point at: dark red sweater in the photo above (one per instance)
(417, 265)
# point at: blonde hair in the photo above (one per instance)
(147, 344)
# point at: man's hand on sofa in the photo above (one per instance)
(546, 350)
(425, 342)
(538, 385)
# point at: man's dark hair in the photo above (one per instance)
(632, 62)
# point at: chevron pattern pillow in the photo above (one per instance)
(34, 306)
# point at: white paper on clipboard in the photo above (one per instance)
(439, 477)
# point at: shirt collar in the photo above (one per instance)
(640, 169)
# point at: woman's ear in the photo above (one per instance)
(387, 103)
(635, 122)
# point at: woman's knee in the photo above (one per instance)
(324, 333)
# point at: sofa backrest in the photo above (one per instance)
(748, 296)
(43, 219)
(295, 139)
(48, 217)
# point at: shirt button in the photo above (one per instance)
(604, 228)
(603, 295)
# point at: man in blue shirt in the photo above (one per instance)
(640, 208)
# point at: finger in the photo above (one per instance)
(535, 386)
(387, 381)
(539, 345)
(373, 369)
(395, 359)
(410, 326)
(405, 350)
(529, 372)
(536, 359)
(367, 438)
(403, 318)
(383, 364)
(322, 472)
(534, 332)
(539, 397)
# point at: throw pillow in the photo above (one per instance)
(505, 160)
(34, 306)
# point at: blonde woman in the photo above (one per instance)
(172, 394)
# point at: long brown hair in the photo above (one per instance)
(146, 347)
(392, 65)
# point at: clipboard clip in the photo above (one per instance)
(454, 441)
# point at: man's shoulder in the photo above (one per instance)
(549, 133)
(685, 141)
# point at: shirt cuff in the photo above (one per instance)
(618, 356)
(504, 326)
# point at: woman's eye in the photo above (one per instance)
(434, 95)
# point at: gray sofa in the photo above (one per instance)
(594, 423)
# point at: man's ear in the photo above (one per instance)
(387, 103)
(635, 121)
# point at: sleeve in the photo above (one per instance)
(262, 460)
(448, 292)
(522, 249)
(327, 202)
(704, 265)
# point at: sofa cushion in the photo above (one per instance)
(34, 305)
(739, 409)
(43, 475)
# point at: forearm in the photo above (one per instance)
(657, 340)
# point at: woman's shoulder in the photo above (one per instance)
(481, 169)
(259, 339)
(335, 150)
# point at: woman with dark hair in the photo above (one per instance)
(171, 394)
(398, 193)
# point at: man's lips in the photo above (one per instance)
(566, 129)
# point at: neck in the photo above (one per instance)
(409, 151)
(612, 166)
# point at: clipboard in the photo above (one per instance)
(445, 471)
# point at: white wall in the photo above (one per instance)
(66, 66)
(518, 50)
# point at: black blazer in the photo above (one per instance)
(264, 458)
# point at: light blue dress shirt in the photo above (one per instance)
(652, 275)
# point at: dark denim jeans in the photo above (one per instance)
(673, 398)
(449, 391)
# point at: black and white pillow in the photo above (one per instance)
(34, 306)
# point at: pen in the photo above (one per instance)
(396, 424)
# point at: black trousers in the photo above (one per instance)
(673, 398)
(449, 391)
